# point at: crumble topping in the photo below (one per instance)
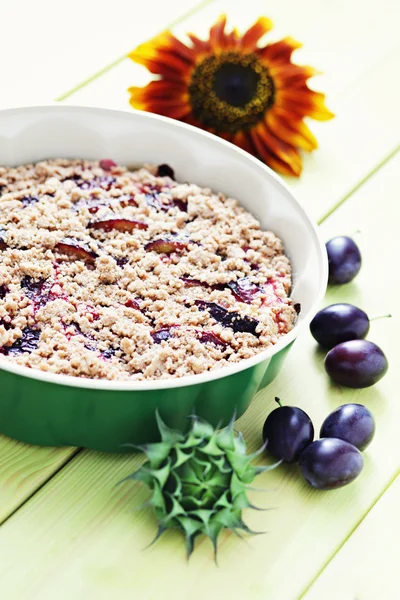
(125, 274)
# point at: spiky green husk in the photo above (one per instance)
(199, 480)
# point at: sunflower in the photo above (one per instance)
(252, 96)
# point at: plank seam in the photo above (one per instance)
(359, 185)
(33, 493)
(348, 536)
(116, 62)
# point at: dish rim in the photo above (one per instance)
(187, 380)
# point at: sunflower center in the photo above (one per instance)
(231, 92)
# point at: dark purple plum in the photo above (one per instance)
(287, 431)
(352, 423)
(330, 463)
(344, 258)
(356, 363)
(339, 323)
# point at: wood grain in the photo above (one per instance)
(81, 537)
(356, 46)
(23, 469)
(366, 568)
(56, 50)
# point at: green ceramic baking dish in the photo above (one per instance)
(58, 410)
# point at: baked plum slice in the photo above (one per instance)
(132, 303)
(245, 290)
(108, 353)
(271, 298)
(166, 245)
(126, 225)
(28, 342)
(3, 243)
(165, 170)
(153, 199)
(163, 334)
(76, 249)
(107, 164)
(28, 200)
(208, 337)
(234, 320)
(4, 289)
(190, 282)
(121, 261)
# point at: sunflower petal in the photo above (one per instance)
(167, 108)
(199, 46)
(160, 88)
(279, 51)
(290, 75)
(217, 34)
(304, 102)
(163, 55)
(161, 97)
(243, 140)
(276, 153)
(291, 130)
(254, 33)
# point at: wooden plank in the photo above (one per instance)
(24, 469)
(358, 78)
(372, 549)
(80, 536)
(47, 51)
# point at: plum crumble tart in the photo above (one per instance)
(125, 274)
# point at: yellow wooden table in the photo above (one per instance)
(67, 531)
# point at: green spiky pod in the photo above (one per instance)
(198, 480)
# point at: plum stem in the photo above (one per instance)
(381, 317)
(278, 401)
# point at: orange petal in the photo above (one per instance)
(165, 42)
(168, 108)
(217, 35)
(254, 33)
(272, 161)
(174, 45)
(199, 46)
(162, 88)
(304, 102)
(232, 40)
(276, 153)
(291, 130)
(290, 75)
(242, 140)
(162, 59)
(279, 51)
(190, 120)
